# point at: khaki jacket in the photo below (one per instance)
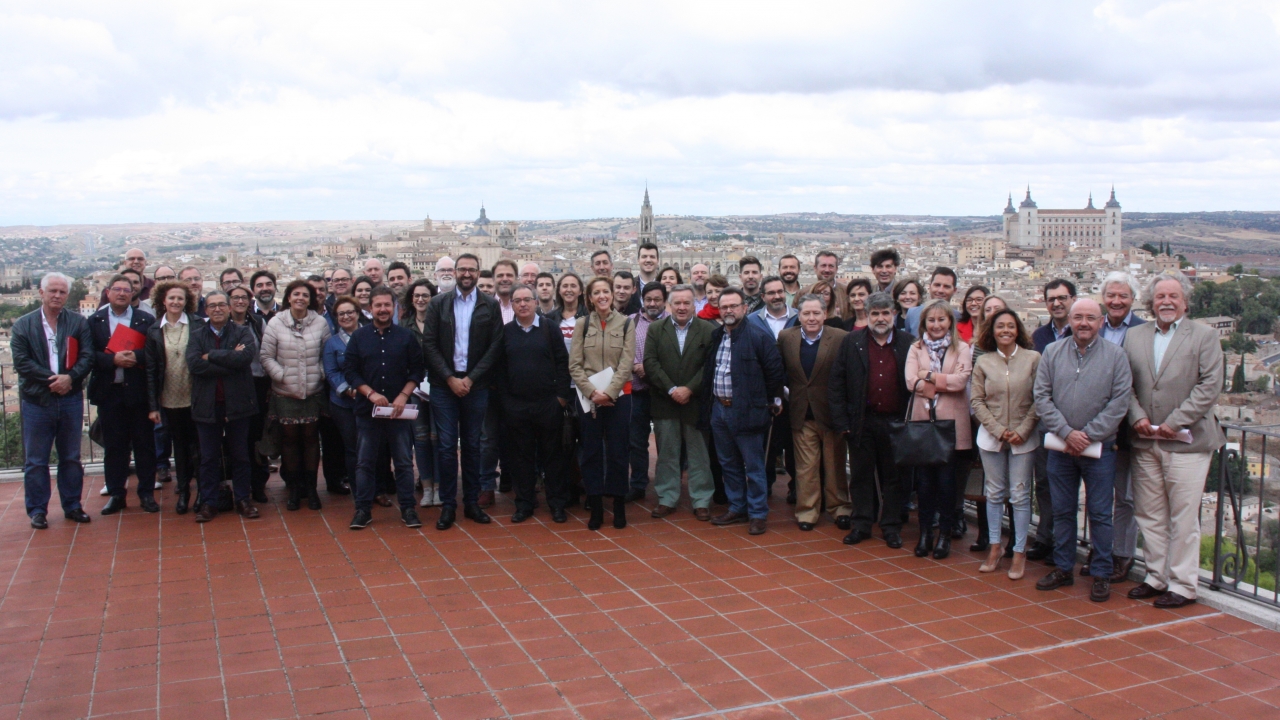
(809, 391)
(1002, 394)
(292, 358)
(594, 349)
(1183, 392)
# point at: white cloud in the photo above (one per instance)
(250, 110)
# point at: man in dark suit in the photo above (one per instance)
(118, 388)
(462, 341)
(744, 376)
(674, 354)
(867, 391)
(808, 353)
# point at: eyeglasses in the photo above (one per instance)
(1056, 299)
(116, 289)
(162, 278)
(734, 306)
(214, 305)
(347, 313)
(466, 270)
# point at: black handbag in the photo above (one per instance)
(922, 443)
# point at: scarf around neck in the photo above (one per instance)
(937, 351)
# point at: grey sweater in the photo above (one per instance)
(1090, 394)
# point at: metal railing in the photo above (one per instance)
(12, 454)
(1245, 554)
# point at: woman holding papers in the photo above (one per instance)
(169, 380)
(413, 315)
(292, 346)
(600, 356)
(1003, 401)
(938, 374)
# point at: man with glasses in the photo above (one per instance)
(462, 341)
(192, 277)
(164, 273)
(775, 316)
(230, 279)
(1059, 294)
(134, 259)
(339, 285)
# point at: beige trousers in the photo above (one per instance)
(1167, 488)
(817, 447)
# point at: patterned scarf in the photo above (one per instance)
(937, 351)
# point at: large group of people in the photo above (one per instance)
(508, 379)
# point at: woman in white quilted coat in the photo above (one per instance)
(292, 345)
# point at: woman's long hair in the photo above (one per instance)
(407, 310)
(586, 293)
(987, 338)
(964, 304)
(945, 307)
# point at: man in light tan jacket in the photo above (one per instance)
(1177, 369)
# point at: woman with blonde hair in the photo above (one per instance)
(938, 374)
(605, 339)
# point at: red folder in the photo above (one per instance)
(73, 354)
(126, 338)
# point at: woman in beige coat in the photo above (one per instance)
(292, 349)
(938, 373)
(604, 339)
(1003, 401)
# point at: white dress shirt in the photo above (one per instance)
(464, 306)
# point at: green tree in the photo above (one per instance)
(1239, 343)
(1239, 469)
(78, 293)
(1237, 269)
(1237, 379)
(1262, 384)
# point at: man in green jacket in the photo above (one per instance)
(674, 354)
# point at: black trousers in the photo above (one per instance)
(875, 488)
(259, 469)
(333, 453)
(212, 435)
(535, 432)
(127, 429)
(780, 443)
(186, 446)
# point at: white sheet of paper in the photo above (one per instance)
(1184, 435)
(410, 412)
(1053, 442)
(599, 381)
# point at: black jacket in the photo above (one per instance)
(31, 354)
(104, 367)
(534, 367)
(483, 348)
(755, 369)
(157, 361)
(556, 316)
(847, 387)
(226, 363)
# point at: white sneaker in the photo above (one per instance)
(435, 496)
(103, 491)
(426, 498)
(159, 485)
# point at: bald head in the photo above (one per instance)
(1086, 319)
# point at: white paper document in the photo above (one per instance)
(410, 412)
(1053, 442)
(1184, 435)
(599, 381)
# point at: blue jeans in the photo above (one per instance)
(424, 450)
(397, 436)
(605, 448)
(641, 423)
(458, 420)
(44, 428)
(1065, 474)
(741, 465)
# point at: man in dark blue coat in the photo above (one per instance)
(119, 388)
(743, 378)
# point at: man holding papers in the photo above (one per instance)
(119, 389)
(383, 362)
(1082, 394)
(1177, 370)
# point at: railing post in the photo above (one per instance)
(1215, 583)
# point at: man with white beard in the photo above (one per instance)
(444, 274)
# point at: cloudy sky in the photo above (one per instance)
(116, 112)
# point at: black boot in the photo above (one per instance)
(943, 548)
(926, 542)
(313, 491)
(595, 503)
(184, 498)
(619, 511)
(983, 541)
(295, 490)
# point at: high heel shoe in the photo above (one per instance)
(619, 511)
(943, 548)
(1019, 566)
(595, 503)
(994, 556)
(926, 543)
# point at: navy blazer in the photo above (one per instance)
(757, 317)
(757, 374)
(1043, 336)
(104, 367)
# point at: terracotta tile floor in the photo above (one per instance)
(154, 616)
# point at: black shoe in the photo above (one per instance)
(295, 499)
(313, 499)
(149, 504)
(361, 520)
(184, 501)
(259, 495)
(893, 540)
(1039, 551)
(77, 515)
(595, 504)
(791, 496)
(1101, 591)
(925, 545)
(982, 545)
(943, 548)
(339, 489)
(39, 522)
(959, 528)
(1056, 579)
(1084, 569)
(409, 517)
(447, 517)
(807, 527)
(475, 513)
(1144, 592)
(844, 522)
(1172, 601)
(558, 515)
(520, 516)
(635, 495)
(855, 537)
(619, 512)
(114, 505)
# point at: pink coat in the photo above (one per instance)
(949, 386)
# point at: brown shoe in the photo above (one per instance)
(1172, 601)
(757, 526)
(1144, 592)
(486, 499)
(703, 514)
(661, 511)
(206, 513)
(1122, 566)
(246, 509)
(382, 500)
(729, 518)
